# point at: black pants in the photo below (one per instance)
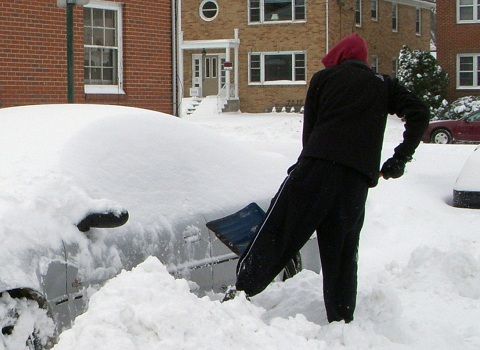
(317, 195)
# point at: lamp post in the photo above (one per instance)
(69, 5)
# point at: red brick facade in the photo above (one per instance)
(452, 39)
(33, 55)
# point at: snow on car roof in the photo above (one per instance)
(118, 153)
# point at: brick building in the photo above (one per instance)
(123, 53)
(458, 51)
(273, 47)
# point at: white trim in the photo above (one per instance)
(279, 82)
(476, 15)
(110, 89)
(476, 68)
(200, 10)
(416, 3)
(105, 5)
(209, 44)
(104, 89)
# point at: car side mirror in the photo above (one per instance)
(108, 219)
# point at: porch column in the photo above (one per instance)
(227, 73)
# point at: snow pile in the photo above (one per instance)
(403, 309)
(148, 309)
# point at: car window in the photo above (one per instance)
(474, 117)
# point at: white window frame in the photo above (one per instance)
(374, 8)
(200, 10)
(358, 11)
(418, 21)
(476, 13)
(277, 82)
(395, 12)
(116, 89)
(262, 14)
(476, 69)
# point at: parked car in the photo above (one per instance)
(89, 190)
(459, 108)
(466, 192)
(464, 130)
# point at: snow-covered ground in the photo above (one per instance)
(419, 270)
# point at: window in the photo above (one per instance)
(468, 71)
(374, 10)
(208, 10)
(468, 11)
(268, 11)
(395, 17)
(102, 48)
(279, 68)
(418, 21)
(358, 13)
(394, 67)
(211, 67)
(375, 64)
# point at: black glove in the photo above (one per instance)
(394, 167)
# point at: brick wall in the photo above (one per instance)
(309, 36)
(33, 55)
(452, 39)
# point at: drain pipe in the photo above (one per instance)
(326, 26)
(174, 59)
(179, 58)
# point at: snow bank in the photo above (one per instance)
(419, 272)
(148, 309)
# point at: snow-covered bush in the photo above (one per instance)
(420, 72)
(458, 108)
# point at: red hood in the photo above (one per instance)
(353, 47)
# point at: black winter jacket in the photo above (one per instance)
(345, 117)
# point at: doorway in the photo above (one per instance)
(208, 73)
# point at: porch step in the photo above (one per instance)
(193, 105)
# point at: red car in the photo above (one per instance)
(463, 130)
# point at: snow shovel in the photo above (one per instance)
(237, 230)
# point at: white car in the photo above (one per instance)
(466, 192)
(89, 190)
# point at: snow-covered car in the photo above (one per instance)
(89, 190)
(464, 130)
(466, 192)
